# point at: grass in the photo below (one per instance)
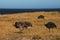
(36, 37)
(8, 30)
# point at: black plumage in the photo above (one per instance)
(41, 17)
(18, 24)
(50, 25)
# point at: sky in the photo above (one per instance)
(29, 4)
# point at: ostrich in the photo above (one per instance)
(41, 17)
(50, 25)
(22, 25)
(27, 25)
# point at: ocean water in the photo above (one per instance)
(12, 11)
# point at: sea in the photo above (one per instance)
(13, 11)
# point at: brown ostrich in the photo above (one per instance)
(41, 17)
(22, 25)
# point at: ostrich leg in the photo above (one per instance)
(49, 30)
(21, 29)
(52, 30)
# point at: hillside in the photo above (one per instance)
(8, 31)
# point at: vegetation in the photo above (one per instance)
(7, 30)
(36, 37)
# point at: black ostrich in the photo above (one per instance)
(18, 24)
(22, 25)
(41, 17)
(50, 25)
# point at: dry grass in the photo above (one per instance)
(7, 30)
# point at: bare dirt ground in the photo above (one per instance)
(37, 32)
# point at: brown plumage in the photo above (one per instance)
(22, 25)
